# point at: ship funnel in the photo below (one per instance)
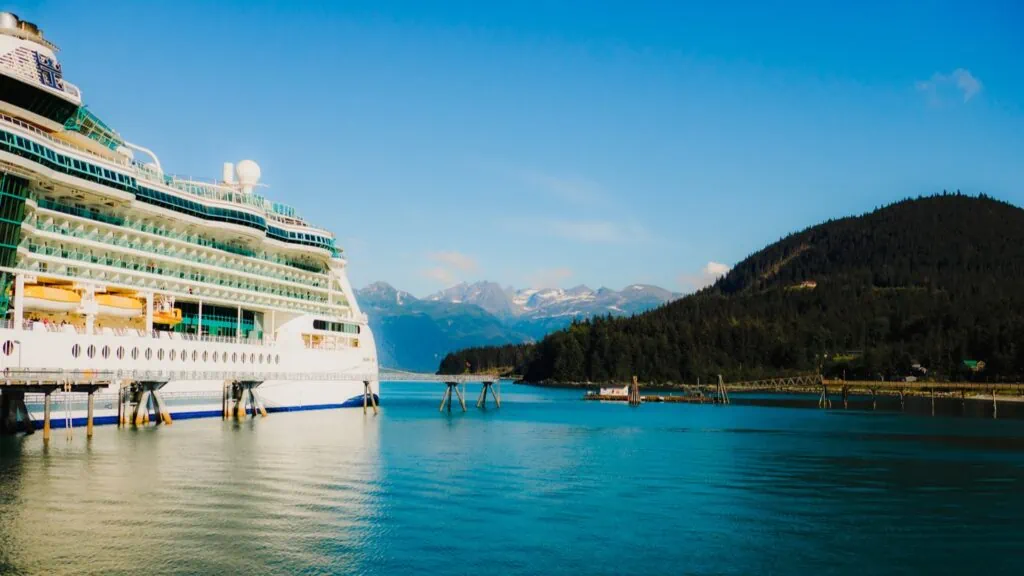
(228, 173)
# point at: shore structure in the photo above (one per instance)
(171, 286)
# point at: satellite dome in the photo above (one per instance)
(248, 173)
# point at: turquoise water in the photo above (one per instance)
(546, 485)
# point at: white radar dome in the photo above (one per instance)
(248, 173)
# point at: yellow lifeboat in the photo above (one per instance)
(170, 317)
(51, 298)
(118, 305)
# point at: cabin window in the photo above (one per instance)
(105, 352)
(173, 355)
(149, 353)
(160, 354)
(184, 356)
(90, 351)
(234, 357)
(120, 352)
(75, 351)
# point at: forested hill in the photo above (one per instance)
(933, 282)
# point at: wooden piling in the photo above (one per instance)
(141, 415)
(902, 403)
(225, 402)
(995, 407)
(46, 416)
(846, 397)
(446, 397)
(88, 418)
(368, 397)
(462, 399)
(874, 400)
(481, 399)
(932, 394)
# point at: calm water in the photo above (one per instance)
(548, 484)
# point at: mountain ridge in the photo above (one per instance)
(416, 333)
(935, 283)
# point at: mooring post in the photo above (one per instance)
(902, 405)
(46, 416)
(995, 407)
(874, 400)
(846, 396)
(932, 394)
(88, 417)
(225, 400)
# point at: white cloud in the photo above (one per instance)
(591, 231)
(449, 268)
(705, 277)
(568, 188)
(940, 86)
(439, 274)
(453, 259)
(549, 278)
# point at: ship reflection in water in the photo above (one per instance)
(548, 484)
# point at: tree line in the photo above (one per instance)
(925, 287)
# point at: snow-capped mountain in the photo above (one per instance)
(416, 333)
(579, 301)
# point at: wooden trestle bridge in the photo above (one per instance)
(139, 396)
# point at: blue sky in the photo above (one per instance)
(559, 143)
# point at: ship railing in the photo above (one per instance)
(140, 267)
(60, 143)
(188, 185)
(111, 376)
(148, 247)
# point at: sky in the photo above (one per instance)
(555, 143)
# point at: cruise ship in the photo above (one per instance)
(109, 264)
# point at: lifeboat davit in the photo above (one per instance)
(51, 299)
(118, 305)
(170, 317)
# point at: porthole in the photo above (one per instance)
(195, 356)
(149, 353)
(120, 352)
(160, 354)
(174, 355)
(215, 356)
(243, 357)
(76, 350)
(105, 352)
(277, 359)
(90, 351)
(252, 358)
(234, 357)
(206, 355)
(135, 353)
(261, 358)
(8, 347)
(184, 355)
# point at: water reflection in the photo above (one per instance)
(548, 484)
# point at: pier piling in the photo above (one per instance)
(481, 401)
(368, 397)
(89, 414)
(46, 417)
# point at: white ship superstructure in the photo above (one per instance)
(108, 263)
